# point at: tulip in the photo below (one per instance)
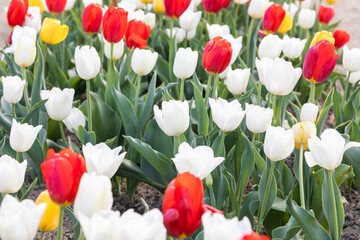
(319, 61)
(69, 5)
(25, 52)
(255, 236)
(217, 55)
(55, 6)
(52, 32)
(291, 9)
(258, 119)
(211, 6)
(293, 47)
(183, 205)
(19, 220)
(13, 88)
(354, 77)
(33, 18)
(189, 20)
(75, 119)
(199, 161)
(257, 8)
(328, 150)
(216, 30)
(278, 76)
(270, 46)
(143, 61)
(22, 136)
(114, 24)
(137, 34)
(118, 49)
(309, 112)
(331, 1)
(92, 18)
(37, 3)
(174, 8)
(146, 1)
(20, 32)
(185, 63)
(286, 24)
(16, 12)
(226, 115)
(302, 133)
(174, 118)
(274, 15)
(236, 45)
(237, 80)
(159, 6)
(279, 143)
(101, 160)
(216, 227)
(62, 173)
(12, 174)
(341, 37)
(150, 19)
(323, 35)
(88, 2)
(59, 102)
(50, 220)
(177, 33)
(307, 18)
(351, 59)
(87, 62)
(326, 13)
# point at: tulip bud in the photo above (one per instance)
(87, 62)
(189, 20)
(159, 6)
(55, 6)
(217, 55)
(20, 32)
(351, 59)
(13, 88)
(309, 112)
(274, 15)
(216, 30)
(59, 102)
(279, 143)
(52, 32)
(25, 52)
(302, 132)
(341, 38)
(326, 13)
(75, 119)
(270, 46)
(307, 18)
(12, 174)
(150, 19)
(137, 34)
(37, 3)
(257, 8)
(286, 24)
(143, 61)
(92, 18)
(114, 24)
(323, 35)
(354, 77)
(33, 19)
(69, 5)
(174, 118)
(237, 80)
(16, 12)
(258, 119)
(118, 49)
(22, 136)
(185, 63)
(177, 33)
(293, 47)
(50, 220)
(175, 8)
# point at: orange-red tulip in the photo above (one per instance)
(255, 236)
(326, 13)
(55, 6)
(273, 18)
(114, 24)
(341, 38)
(137, 34)
(217, 55)
(174, 8)
(17, 12)
(92, 18)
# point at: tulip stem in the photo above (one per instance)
(329, 178)
(23, 73)
(208, 89)
(301, 175)
(171, 50)
(182, 85)
(18, 156)
(13, 111)
(215, 86)
(137, 92)
(221, 142)
(62, 133)
(276, 117)
(259, 93)
(89, 110)
(43, 66)
(41, 235)
(61, 217)
(312, 93)
(346, 90)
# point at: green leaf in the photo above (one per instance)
(28, 191)
(37, 86)
(288, 231)
(250, 205)
(84, 136)
(352, 157)
(201, 111)
(34, 109)
(148, 105)
(320, 123)
(35, 157)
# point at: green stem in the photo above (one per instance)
(89, 110)
(18, 156)
(171, 50)
(44, 59)
(301, 175)
(221, 142)
(137, 93)
(41, 235)
(62, 133)
(259, 92)
(81, 236)
(276, 117)
(208, 89)
(329, 178)
(90, 40)
(212, 196)
(182, 85)
(216, 83)
(253, 138)
(346, 90)
(13, 111)
(61, 217)
(27, 103)
(248, 50)
(177, 143)
(312, 93)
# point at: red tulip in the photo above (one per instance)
(114, 24)
(17, 12)
(326, 13)
(255, 236)
(55, 6)
(137, 34)
(319, 61)
(174, 8)
(183, 205)
(214, 6)
(341, 38)
(273, 18)
(62, 173)
(217, 55)
(92, 18)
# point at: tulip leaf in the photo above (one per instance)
(232, 192)
(76, 223)
(148, 105)
(34, 109)
(37, 86)
(35, 156)
(28, 191)
(162, 68)
(338, 108)
(85, 136)
(352, 157)
(11, 63)
(201, 111)
(286, 179)
(288, 231)
(320, 123)
(250, 205)
(126, 67)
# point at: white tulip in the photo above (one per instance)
(263, 66)
(226, 115)
(174, 118)
(13, 88)
(12, 174)
(87, 62)
(94, 194)
(138, 15)
(196, 2)
(309, 112)
(328, 151)
(223, 75)
(279, 143)
(17, 33)
(199, 161)
(22, 136)
(88, 2)
(236, 45)
(191, 34)
(293, 47)
(307, 18)
(189, 20)
(19, 220)
(33, 18)
(102, 160)
(291, 9)
(270, 46)
(75, 119)
(257, 8)
(25, 52)
(59, 102)
(305, 4)
(69, 5)
(151, 225)
(143, 61)
(178, 33)
(128, 6)
(216, 30)
(237, 80)
(351, 59)
(185, 63)
(216, 227)
(150, 19)
(258, 119)
(118, 49)
(354, 77)
(241, 1)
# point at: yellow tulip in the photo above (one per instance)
(52, 32)
(37, 3)
(50, 220)
(331, 1)
(323, 35)
(286, 25)
(302, 133)
(159, 6)
(146, 1)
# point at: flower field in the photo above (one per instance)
(236, 115)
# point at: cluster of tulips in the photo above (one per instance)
(167, 85)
